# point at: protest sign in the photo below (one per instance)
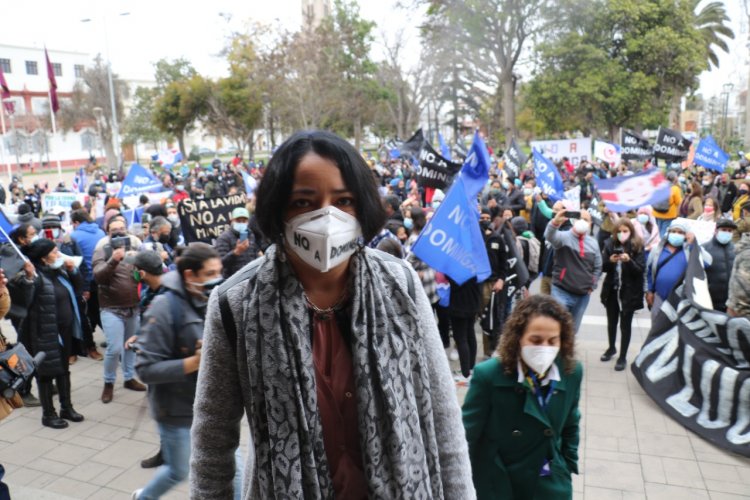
(515, 159)
(634, 146)
(671, 145)
(596, 216)
(708, 154)
(703, 230)
(607, 152)
(60, 202)
(576, 150)
(547, 177)
(695, 364)
(435, 171)
(138, 181)
(572, 198)
(452, 241)
(204, 220)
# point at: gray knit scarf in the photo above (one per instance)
(397, 434)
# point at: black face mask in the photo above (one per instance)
(164, 239)
(118, 235)
(484, 224)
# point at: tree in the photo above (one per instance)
(235, 110)
(179, 105)
(496, 32)
(178, 70)
(139, 124)
(90, 93)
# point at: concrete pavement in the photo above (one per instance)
(629, 448)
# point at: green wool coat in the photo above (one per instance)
(510, 435)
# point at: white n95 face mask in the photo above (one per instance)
(323, 238)
(539, 357)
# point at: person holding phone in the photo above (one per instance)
(236, 245)
(624, 261)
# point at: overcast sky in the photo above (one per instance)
(168, 28)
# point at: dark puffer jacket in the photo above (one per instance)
(630, 281)
(719, 271)
(40, 327)
(231, 262)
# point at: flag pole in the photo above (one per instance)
(54, 132)
(2, 146)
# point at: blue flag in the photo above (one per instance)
(708, 154)
(547, 177)
(250, 183)
(139, 181)
(80, 181)
(630, 192)
(452, 241)
(445, 151)
(5, 228)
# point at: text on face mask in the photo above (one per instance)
(302, 242)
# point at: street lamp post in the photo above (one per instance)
(727, 89)
(115, 126)
(98, 115)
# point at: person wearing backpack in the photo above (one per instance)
(169, 353)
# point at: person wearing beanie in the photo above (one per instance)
(53, 322)
(26, 216)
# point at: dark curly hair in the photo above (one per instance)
(509, 349)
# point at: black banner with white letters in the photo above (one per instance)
(413, 145)
(634, 146)
(204, 220)
(435, 171)
(695, 364)
(514, 158)
(671, 145)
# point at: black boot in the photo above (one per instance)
(49, 415)
(66, 407)
(151, 462)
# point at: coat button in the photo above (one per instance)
(548, 432)
(516, 433)
(348, 394)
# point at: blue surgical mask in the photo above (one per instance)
(676, 239)
(34, 238)
(506, 185)
(435, 204)
(239, 226)
(408, 223)
(643, 218)
(724, 237)
(55, 233)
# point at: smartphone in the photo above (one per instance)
(243, 236)
(618, 251)
(121, 242)
(573, 214)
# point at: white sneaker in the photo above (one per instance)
(453, 356)
(461, 380)
(136, 494)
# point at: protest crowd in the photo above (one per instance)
(451, 242)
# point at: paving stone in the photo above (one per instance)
(45, 464)
(727, 496)
(658, 491)
(71, 487)
(653, 469)
(594, 493)
(25, 451)
(124, 453)
(613, 475)
(727, 487)
(665, 446)
(721, 472)
(683, 473)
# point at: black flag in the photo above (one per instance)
(634, 146)
(515, 159)
(671, 145)
(695, 364)
(435, 171)
(413, 146)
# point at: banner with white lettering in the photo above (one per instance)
(515, 159)
(574, 150)
(635, 146)
(435, 171)
(204, 220)
(547, 177)
(138, 181)
(671, 145)
(708, 154)
(695, 364)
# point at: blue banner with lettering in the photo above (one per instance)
(708, 154)
(547, 177)
(452, 241)
(139, 181)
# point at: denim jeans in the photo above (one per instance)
(117, 330)
(663, 225)
(576, 304)
(175, 449)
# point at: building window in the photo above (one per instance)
(57, 69)
(5, 65)
(31, 68)
(78, 70)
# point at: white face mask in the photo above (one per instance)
(323, 238)
(581, 227)
(539, 357)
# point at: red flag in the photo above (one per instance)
(5, 92)
(52, 84)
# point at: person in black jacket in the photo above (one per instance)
(719, 270)
(51, 326)
(624, 261)
(497, 254)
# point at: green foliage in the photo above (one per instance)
(166, 72)
(139, 124)
(178, 107)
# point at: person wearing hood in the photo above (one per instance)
(647, 227)
(666, 265)
(175, 238)
(236, 245)
(169, 353)
(26, 216)
(52, 324)
(577, 263)
(87, 234)
(719, 268)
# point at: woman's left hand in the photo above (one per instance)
(624, 257)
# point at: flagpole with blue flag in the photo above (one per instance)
(547, 177)
(5, 229)
(452, 242)
(445, 151)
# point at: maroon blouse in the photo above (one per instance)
(337, 403)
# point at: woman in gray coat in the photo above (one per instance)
(330, 349)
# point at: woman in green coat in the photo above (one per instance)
(521, 412)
